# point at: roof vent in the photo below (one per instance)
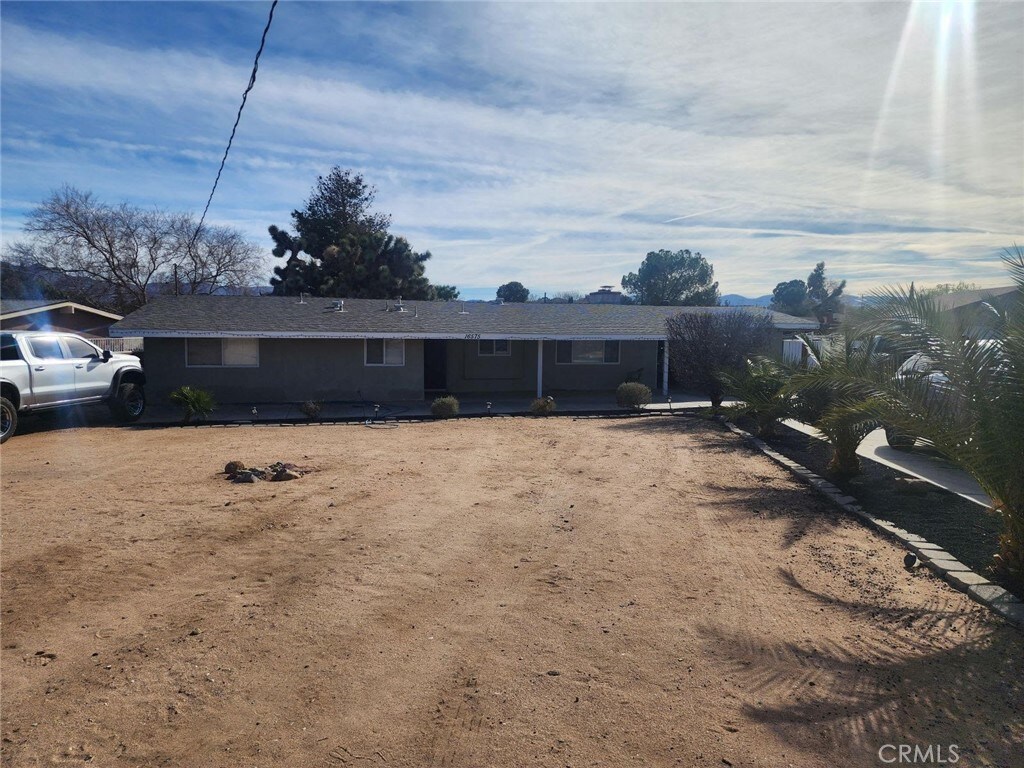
(338, 305)
(399, 307)
(302, 298)
(463, 310)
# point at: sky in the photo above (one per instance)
(550, 143)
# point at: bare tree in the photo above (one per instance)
(220, 258)
(118, 256)
(704, 346)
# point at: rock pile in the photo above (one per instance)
(238, 472)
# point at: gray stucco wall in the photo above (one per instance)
(471, 373)
(290, 370)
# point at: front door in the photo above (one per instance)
(435, 365)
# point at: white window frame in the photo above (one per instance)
(495, 353)
(222, 364)
(572, 352)
(384, 355)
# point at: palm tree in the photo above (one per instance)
(833, 397)
(974, 411)
(762, 394)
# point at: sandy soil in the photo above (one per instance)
(550, 592)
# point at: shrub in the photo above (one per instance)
(311, 409)
(542, 406)
(196, 403)
(762, 394)
(702, 347)
(445, 407)
(632, 394)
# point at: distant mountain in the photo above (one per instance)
(735, 300)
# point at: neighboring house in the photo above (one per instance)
(970, 306)
(55, 315)
(286, 349)
(603, 295)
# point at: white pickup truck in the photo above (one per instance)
(41, 371)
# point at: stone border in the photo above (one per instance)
(945, 566)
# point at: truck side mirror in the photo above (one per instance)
(107, 354)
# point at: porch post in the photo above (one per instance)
(540, 368)
(664, 370)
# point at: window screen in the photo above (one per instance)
(241, 352)
(492, 347)
(203, 351)
(611, 351)
(375, 351)
(563, 352)
(394, 352)
(588, 351)
(385, 351)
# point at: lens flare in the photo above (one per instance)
(934, 25)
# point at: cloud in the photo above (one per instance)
(553, 143)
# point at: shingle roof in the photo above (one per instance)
(7, 306)
(279, 316)
(963, 298)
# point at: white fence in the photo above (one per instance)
(125, 344)
(797, 352)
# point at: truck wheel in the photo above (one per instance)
(901, 441)
(129, 403)
(8, 419)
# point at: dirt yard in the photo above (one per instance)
(510, 592)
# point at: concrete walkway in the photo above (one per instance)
(917, 463)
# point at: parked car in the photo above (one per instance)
(921, 367)
(917, 366)
(42, 371)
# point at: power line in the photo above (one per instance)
(238, 117)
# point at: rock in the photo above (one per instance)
(259, 474)
(245, 476)
(286, 474)
(233, 467)
(554, 672)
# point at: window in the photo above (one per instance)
(385, 352)
(46, 348)
(80, 348)
(226, 353)
(587, 352)
(9, 348)
(494, 348)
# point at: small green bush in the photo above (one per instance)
(445, 407)
(632, 394)
(196, 403)
(542, 406)
(312, 409)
